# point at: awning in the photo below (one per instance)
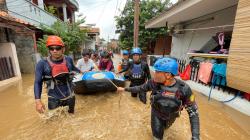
(186, 10)
(18, 25)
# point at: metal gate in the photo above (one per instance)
(6, 68)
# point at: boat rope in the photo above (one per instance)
(226, 101)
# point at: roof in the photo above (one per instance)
(90, 30)
(165, 11)
(19, 25)
(186, 10)
(94, 30)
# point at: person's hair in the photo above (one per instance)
(85, 52)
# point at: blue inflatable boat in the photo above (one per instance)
(93, 81)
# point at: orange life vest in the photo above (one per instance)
(58, 69)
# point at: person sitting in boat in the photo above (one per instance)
(55, 71)
(138, 72)
(85, 64)
(169, 96)
(111, 54)
(95, 58)
(124, 63)
(106, 64)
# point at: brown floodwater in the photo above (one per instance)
(109, 116)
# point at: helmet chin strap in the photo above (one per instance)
(169, 82)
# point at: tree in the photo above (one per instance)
(125, 23)
(70, 33)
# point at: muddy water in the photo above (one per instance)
(105, 117)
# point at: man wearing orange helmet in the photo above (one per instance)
(55, 71)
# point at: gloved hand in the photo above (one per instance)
(143, 97)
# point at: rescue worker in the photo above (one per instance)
(168, 97)
(124, 62)
(106, 63)
(138, 72)
(56, 71)
(86, 64)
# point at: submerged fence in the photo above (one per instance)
(6, 68)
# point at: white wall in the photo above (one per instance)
(194, 40)
(90, 44)
(9, 50)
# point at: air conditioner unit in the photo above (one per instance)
(179, 29)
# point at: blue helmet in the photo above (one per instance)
(125, 52)
(166, 65)
(136, 51)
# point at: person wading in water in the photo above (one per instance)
(56, 71)
(169, 96)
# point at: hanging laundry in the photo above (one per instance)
(205, 71)
(219, 77)
(186, 74)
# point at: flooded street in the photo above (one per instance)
(101, 117)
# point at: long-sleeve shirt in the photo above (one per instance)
(186, 97)
(43, 69)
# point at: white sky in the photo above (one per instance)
(101, 13)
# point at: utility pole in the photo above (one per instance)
(136, 22)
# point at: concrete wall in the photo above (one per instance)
(2, 35)
(23, 47)
(25, 51)
(194, 40)
(90, 45)
(9, 50)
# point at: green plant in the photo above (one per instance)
(50, 9)
(70, 33)
(41, 46)
(125, 23)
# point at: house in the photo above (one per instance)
(113, 45)
(11, 27)
(197, 28)
(93, 40)
(35, 13)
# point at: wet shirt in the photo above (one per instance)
(43, 70)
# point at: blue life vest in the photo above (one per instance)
(137, 72)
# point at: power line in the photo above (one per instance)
(120, 13)
(94, 2)
(100, 16)
(114, 16)
(96, 6)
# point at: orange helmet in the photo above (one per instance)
(53, 40)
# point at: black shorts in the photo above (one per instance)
(54, 103)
